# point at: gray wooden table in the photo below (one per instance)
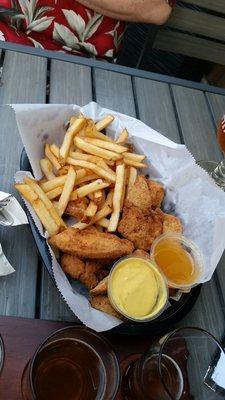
(183, 111)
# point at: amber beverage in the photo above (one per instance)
(68, 369)
(144, 381)
(72, 364)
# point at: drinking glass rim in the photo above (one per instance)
(2, 359)
(97, 334)
(167, 338)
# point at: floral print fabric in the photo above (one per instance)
(63, 25)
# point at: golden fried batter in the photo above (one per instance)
(90, 243)
(101, 288)
(76, 209)
(140, 228)
(89, 273)
(171, 224)
(156, 193)
(139, 195)
(102, 303)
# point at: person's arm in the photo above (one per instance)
(148, 11)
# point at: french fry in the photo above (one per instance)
(91, 131)
(85, 157)
(30, 195)
(48, 204)
(93, 167)
(104, 212)
(104, 222)
(55, 150)
(131, 178)
(51, 157)
(63, 170)
(99, 198)
(124, 188)
(26, 192)
(54, 183)
(109, 198)
(103, 165)
(89, 188)
(134, 157)
(123, 137)
(52, 194)
(91, 196)
(67, 190)
(135, 163)
(68, 138)
(79, 155)
(95, 150)
(97, 135)
(117, 197)
(103, 123)
(116, 148)
(46, 167)
(91, 209)
(87, 178)
(73, 119)
(44, 215)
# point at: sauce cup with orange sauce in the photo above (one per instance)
(179, 259)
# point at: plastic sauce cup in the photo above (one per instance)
(128, 287)
(179, 259)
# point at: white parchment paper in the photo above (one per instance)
(190, 193)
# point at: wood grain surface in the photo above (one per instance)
(23, 81)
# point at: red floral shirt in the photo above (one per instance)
(62, 25)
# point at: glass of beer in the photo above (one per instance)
(187, 364)
(73, 363)
(217, 170)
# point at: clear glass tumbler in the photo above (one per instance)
(187, 364)
(74, 363)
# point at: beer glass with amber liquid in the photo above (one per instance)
(217, 170)
(74, 363)
(187, 364)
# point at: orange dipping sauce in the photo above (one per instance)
(176, 263)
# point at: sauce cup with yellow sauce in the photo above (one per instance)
(137, 289)
(179, 259)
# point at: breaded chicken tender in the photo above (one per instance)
(102, 303)
(90, 273)
(101, 288)
(77, 210)
(140, 228)
(139, 195)
(171, 224)
(156, 192)
(92, 244)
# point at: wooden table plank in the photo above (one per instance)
(217, 103)
(23, 80)
(69, 83)
(197, 126)
(199, 135)
(155, 107)
(114, 91)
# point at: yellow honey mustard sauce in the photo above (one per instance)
(137, 288)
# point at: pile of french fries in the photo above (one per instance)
(89, 169)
